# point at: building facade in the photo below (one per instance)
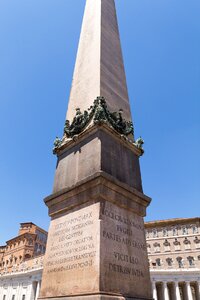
(29, 243)
(23, 283)
(174, 258)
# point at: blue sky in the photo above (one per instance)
(161, 49)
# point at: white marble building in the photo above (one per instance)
(24, 282)
(174, 257)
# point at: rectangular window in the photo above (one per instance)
(4, 297)
(23, 297)
(13, 297)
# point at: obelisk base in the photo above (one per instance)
(97, 297)
(96, 244)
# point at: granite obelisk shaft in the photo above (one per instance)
(99, 68)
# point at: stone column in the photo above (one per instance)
(198, 290)
(9, 292)
(37, 290)
(31, 290)
(1, 292)
(177, 291)
(173, 287)
(165, 291)
(154, 290)
(188, 290)
(19, 289)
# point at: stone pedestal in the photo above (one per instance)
(96, 246)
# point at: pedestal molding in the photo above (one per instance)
(98, 186)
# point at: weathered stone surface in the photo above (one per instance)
(99, 297)
(99, 69)
(124, 264)
(72, 259)
(98, 150)
(96, 247)
(99, 186)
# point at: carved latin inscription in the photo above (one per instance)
(72, 252)
(125, 258)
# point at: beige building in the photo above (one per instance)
(174, 257)
(29, 243)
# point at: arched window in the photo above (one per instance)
(166, 245)
(169, 261)
(158, 262)
(194, 229)
(184, 230)
(187, 244)
(180, 262)
(27, 256)
(197, 242)
(156, 247)
(190, 261)
(177, 245)
(165, 232)
(155, 233)
(175, 231)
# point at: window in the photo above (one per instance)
(184, 230)
(154, 264)
(177, 245)
(194, 229)
(166, 245)
(155, 233)
(148, 248)
(27, 256)
(175, 231)
(197, 242)
(13, 297)
(158, 262)
(23, 297)
(156, 247)
(180, 262)
(169, 261)
(198, 257)
(4, 297)
(165, 232)
(191, 261)
(187, 244)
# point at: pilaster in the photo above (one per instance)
(154, 290)
(178, 296)
(166, 292)
(188, 290)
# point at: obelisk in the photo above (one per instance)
(96, 246)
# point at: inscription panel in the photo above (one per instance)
(72, 254)
(124, 262)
